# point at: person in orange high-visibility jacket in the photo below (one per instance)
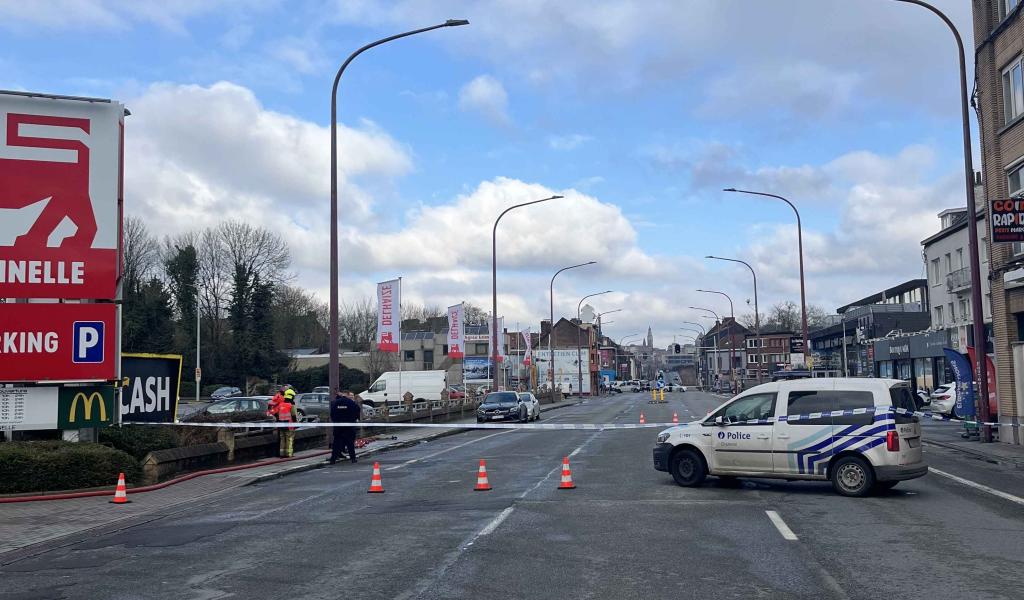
(287, 413)
(275, 402)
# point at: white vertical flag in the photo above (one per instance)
(389, 319)
(499, 336)
(456, 337)
(528, 355)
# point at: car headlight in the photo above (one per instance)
(663, 437)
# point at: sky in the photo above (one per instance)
(638, 112)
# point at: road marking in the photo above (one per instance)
(495, 522)
(978, 486)
(784, 529)
(440, 452)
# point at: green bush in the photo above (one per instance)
(139, 440)
(57, 465)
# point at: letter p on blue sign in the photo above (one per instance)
(87, 342)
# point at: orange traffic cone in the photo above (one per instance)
(675, 418)
(376, 486)
(567, 483)
(642, 419)
(121, 493)
(482, 485)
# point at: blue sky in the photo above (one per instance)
(645, 109)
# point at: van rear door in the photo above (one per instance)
(907, 427)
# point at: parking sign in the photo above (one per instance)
(88, 342)
(58, 342)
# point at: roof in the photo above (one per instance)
(896, 290)
(958, 223)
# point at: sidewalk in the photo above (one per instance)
(28, 523)
(947, 435)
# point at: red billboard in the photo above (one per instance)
(58, 342)
(60, 168)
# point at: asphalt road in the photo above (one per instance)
(627, 531)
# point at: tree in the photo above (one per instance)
(266, 361)
(141, 252)
(787, 315)
(474, 315)
(238, 319)
(378, 362)
(147, 321)
(182, 269)
(299, 319)
(357, 324)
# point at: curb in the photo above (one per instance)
(991, 458)
(386, 448)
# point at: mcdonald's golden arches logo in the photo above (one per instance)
(87, 403)
(91, 406)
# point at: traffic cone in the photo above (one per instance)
(376, 486)
(121, 493)
(567, 483)
(482, 485)
(675, 418)
(642, 419)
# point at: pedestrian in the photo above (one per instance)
(344, 410)
(286, 412)
(275, 401)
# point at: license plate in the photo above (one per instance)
(497, 417)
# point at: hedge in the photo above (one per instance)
(58, 465)
(139, 440)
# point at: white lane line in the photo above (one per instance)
(978, 486)
(784, 529)
(440, 452)
(495, 522)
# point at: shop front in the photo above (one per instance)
(916, 358)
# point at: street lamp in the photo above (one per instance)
(495, 345)
(601, 323)
(757, 316)
(732, 340)
(333, 367)
(579, 342)
(800, 250)
(551, 332)
(621, 341)
(977, 308)
(717, 335)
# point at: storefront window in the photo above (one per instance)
(903, 370)
(885, 369)
(923, 374)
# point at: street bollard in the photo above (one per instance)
(654, 396)
(662, 392)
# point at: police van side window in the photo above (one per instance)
(757, 406)
(805, 402)
(850, 400)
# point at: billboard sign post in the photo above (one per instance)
(150, 390)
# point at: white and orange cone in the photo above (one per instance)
(482, 485)
(121, 493)
(567, 483)
(376, 485)
(643, 421)
(675, 418)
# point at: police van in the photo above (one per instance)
(844, 430)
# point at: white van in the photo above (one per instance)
(794, 430)
(423, 385)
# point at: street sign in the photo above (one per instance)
(199, 374)
(151, 384)
(60, 164)
(1007, 220)
(58, 342)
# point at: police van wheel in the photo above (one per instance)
(852, 476)
(688, 468)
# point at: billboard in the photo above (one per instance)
(150, 390)
(85, 406)
(58, 342)
(52, 407)
(1007, 220)
(566, 369)
(476, 369)
(61, 165)
(389, 320)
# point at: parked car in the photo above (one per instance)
(225, 392)
(532, 406)
(456, 391)
(771, 431)
(314, 406)
(237, 405)
(674, 387)
(501, 406)
(944, 400)
(322, 389)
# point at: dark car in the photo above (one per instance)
(501, 406)
(225, 392)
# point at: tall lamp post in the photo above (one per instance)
(977, 308)
(551, 332)
(496, 340)
(601, 324)
(757, 315)
(800, 250)
(732, 340)
(579, 342)
(333, 367)
(621, 341)
(718, 320)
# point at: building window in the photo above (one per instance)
(952, 315)
(1013, 91)
(935, 271)
(1015, 187)
(938, 316)
(752, 358)
(444, 350)
(959, 258)
(1006, 7)
(949, 263)
(963, 310)
(409, 355)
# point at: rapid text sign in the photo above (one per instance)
(1008, 220)
(150, 391)
(58, 342)
(60, 190)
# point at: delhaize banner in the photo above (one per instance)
(456, 332)
(389, 319)
(964, 383)
(60, 168)
(528, 356)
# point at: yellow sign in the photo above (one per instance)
(87, 403)
(81, 407)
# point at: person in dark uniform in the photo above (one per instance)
(344, 410)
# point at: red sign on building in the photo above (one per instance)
(60, 183)
(58, 342)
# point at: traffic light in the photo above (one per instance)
(677, 349)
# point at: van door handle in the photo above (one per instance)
(762, 436)
(783, 436)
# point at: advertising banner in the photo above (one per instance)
(477, 369)
(151, 384)
(389, 318)
(85, 406)
(964, 383)
(456, 332)
(28, 408)
(60, 164)
(58, 342)
(993, 402)
(527, 350)
(566, 372)
(1007, 220)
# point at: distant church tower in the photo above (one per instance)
(650, 337)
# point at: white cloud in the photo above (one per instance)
(568, 142)
(486, 95)
(110, 14)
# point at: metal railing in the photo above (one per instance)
(958, 280)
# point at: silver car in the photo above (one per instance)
(532, 405)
